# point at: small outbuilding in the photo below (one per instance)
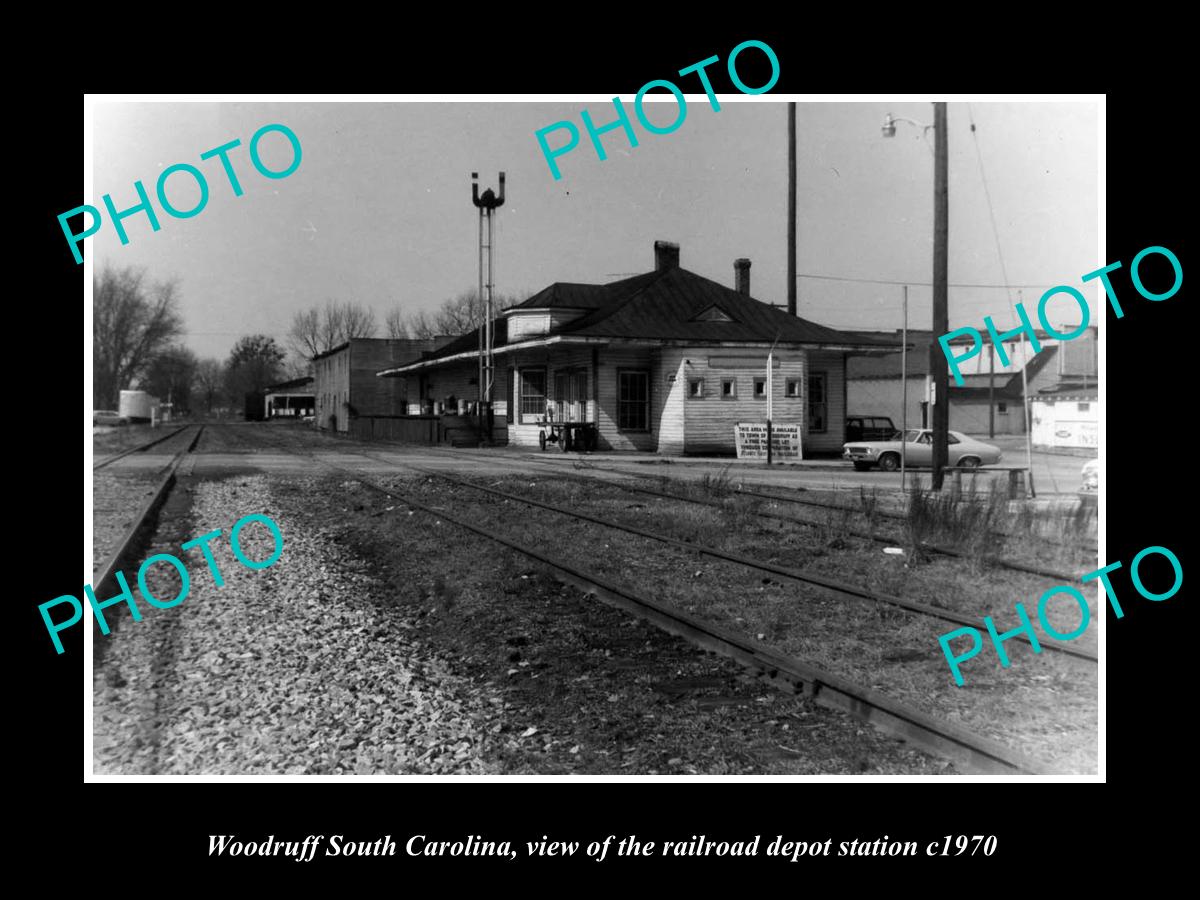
(290, 399)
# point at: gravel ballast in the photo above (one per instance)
(286, 670)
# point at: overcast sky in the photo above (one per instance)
(380, 212)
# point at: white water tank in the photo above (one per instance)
(136, 405)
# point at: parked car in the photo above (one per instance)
(108, 417)
(869, 428)
(918, 447)
(1090, 477)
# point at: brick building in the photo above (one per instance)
(345, 385)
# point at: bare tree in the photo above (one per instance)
(395, 323)
(210, 378)
(458, 315)
(305, 334)
(320, 329)
(420, 326)
(357, 321)
(133, 320)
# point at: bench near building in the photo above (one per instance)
(667, 361)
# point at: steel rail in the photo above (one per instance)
(974, 752)
(108, 569)
(158, 440)
(1030, 569)
(830, 584)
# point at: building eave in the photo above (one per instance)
(551, 340)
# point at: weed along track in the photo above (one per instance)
(855, 649)
(764, 567)
(592, 472)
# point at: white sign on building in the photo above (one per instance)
(751, 439)
(1065, 422)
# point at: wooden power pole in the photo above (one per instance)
(791, 250)
(938, 364)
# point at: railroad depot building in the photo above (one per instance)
(667, 361)
(344, 383)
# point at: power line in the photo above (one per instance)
(960, 284)
(992, 213)
(236, 333)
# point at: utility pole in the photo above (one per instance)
(791, 248)
(904, 393)
(938, 365)
(770, 402)
(991, 388)
(1025, 401)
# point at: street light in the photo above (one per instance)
(938, 367)
(889, 125)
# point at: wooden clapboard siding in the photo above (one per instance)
(524, 430)
(613, 359)
(711, 420)
(671, 375)
(834, 367)
(678, 422)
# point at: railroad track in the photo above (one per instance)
(849, 590)
(972, 752)
(109, 460)
(103, 578)
(1001, 562)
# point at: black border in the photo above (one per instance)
(1148, 468)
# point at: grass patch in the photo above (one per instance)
(716, 486)
(963, 523)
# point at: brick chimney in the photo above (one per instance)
(741, 276)
(666, 255)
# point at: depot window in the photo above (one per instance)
(792, 388)
(533, 392)
(633, 400)
(696, 388)
(728, 388)
(760, 388)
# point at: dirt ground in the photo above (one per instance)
(605, 692)
(408, 648)
(585, 688)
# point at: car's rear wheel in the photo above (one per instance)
(889, 462)
(970, 462)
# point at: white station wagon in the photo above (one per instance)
(918, 445)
